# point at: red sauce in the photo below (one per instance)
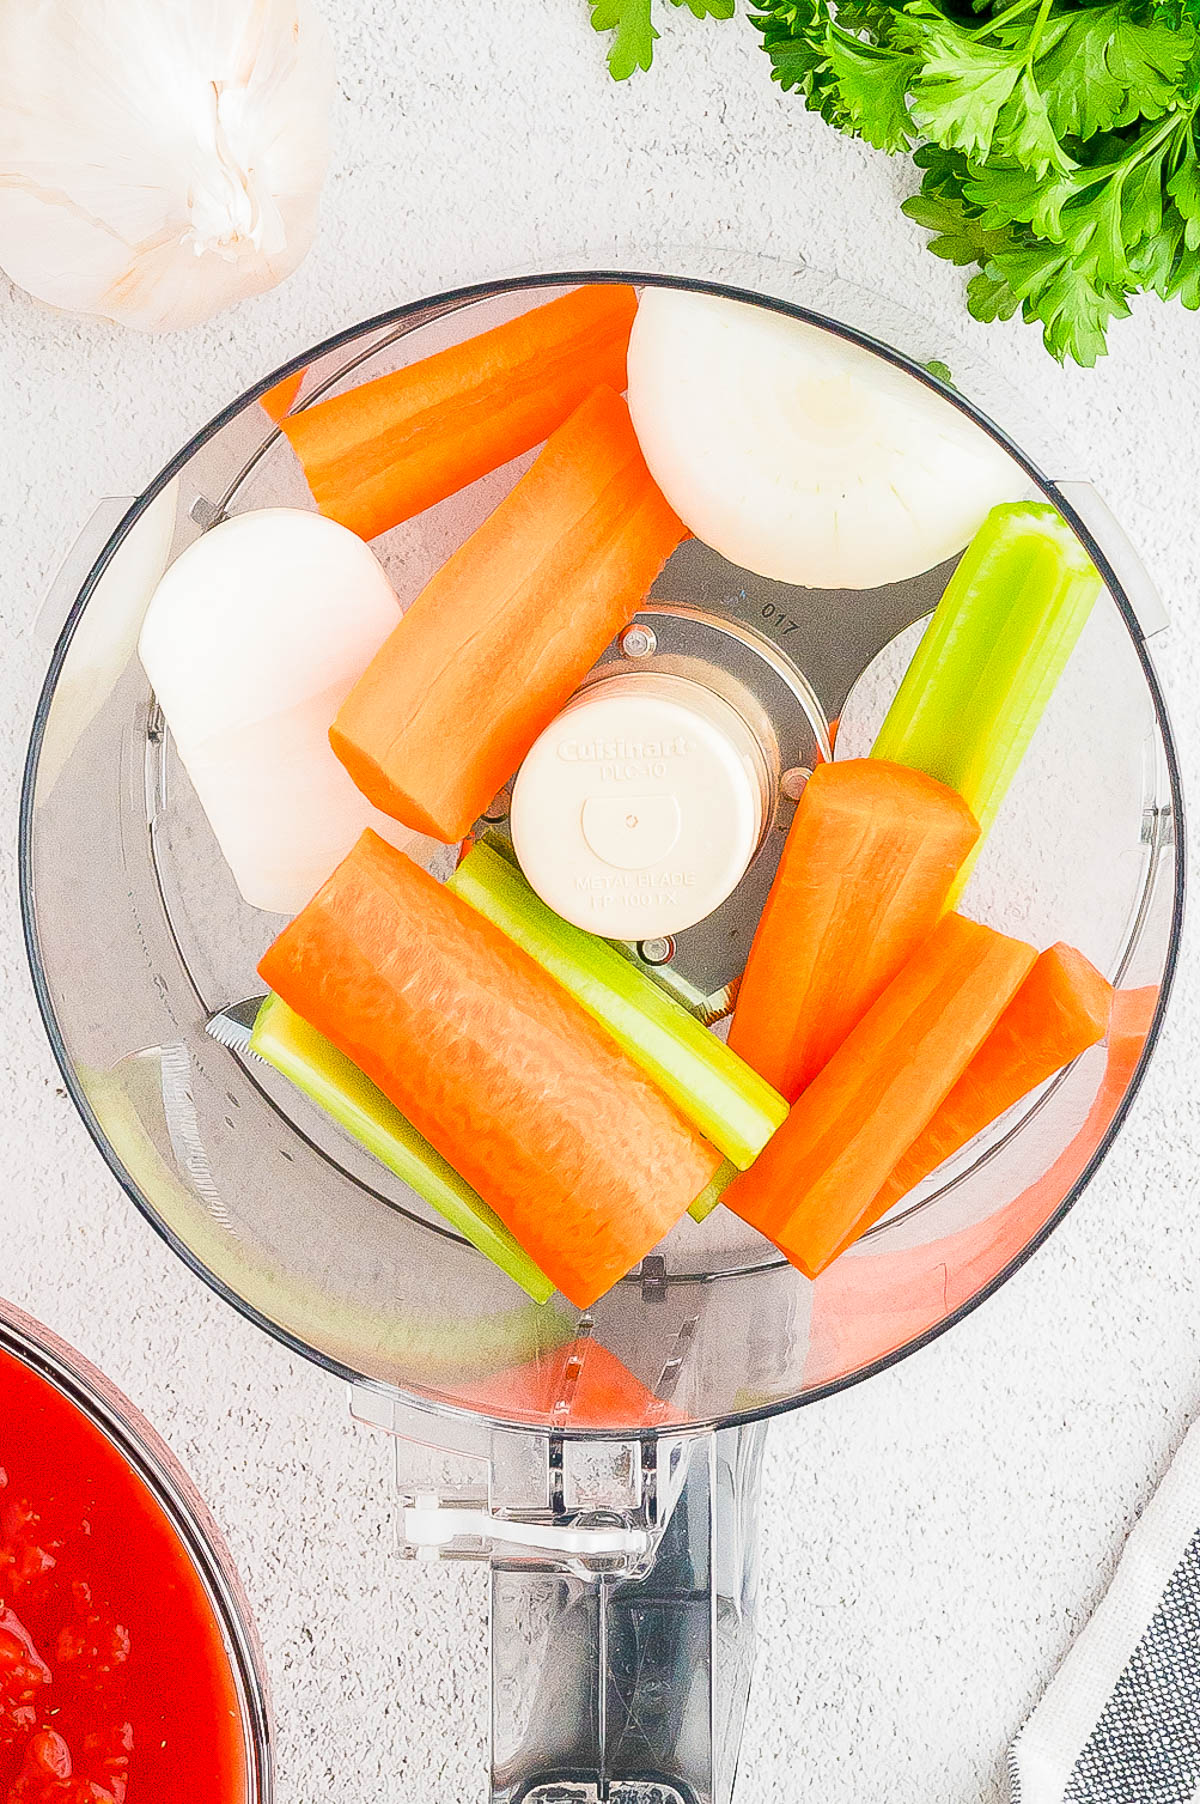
(115, 1684)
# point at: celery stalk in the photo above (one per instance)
(991, 655)
(713, 1191)
(329, 1079)
(730, 1104)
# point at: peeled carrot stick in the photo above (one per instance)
(502, 1071)
(383, 452)
(491, 649)
(819, 1174)
(1061, 1009)
(865, 1306)
(869, 861)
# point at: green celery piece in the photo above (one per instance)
(730, 1104)
(997, 644)
(335, 1084)
(713, 1191)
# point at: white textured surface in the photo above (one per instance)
(933, 1538)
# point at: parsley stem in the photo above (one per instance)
(1142, 148)
(861, 46)
(1010, 12)
(1035, 36)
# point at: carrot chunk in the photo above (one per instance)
(277, 400)
(579, 1385)
(502, 1071)
(384, 451)
(870, 858)
(1061, 1009)
(818, 1176)
(495, 644)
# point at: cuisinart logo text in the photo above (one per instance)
(625, 760)
(607, 751)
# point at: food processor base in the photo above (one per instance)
(623, 1587)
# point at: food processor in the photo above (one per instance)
(605, 1463)
(103, 1415)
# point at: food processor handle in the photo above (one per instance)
(632, 1689)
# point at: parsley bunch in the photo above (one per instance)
(1057, 141)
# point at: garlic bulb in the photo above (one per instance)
(159, 159)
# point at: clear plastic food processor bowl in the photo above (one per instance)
(621, 1535)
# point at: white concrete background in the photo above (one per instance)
(933, 1539)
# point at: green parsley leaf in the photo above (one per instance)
(1157, 260)
(1024, 132)
(959, 234)
(708, 9)
(1176, 12)
(796, 37)
(1064, 293)
(634, 34)
(1185, 287)
(1005, 193)
(1184, 190)
(871, 88)
(989, 297)
(962, 83)
(1103, 67)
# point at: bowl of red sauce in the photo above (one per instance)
(129, 1670)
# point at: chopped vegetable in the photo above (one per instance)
(919, 1284)
(384, 451)
(118, 1671)
(1061, 1009)
(729, 1103)
(276, 402)
(800, 455)
(579, 1385)
(328, 1078)
(530, 1101)
(990, 657)
(870, 858)
(818, 1177)
(507, 629)
(710, 1196)
(252, 639)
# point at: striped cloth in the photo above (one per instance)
(1120, 1723)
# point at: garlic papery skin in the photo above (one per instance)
(159, 159)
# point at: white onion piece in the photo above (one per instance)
(801, 456)
(253, 639)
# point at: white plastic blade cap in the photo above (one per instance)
(638, 809)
